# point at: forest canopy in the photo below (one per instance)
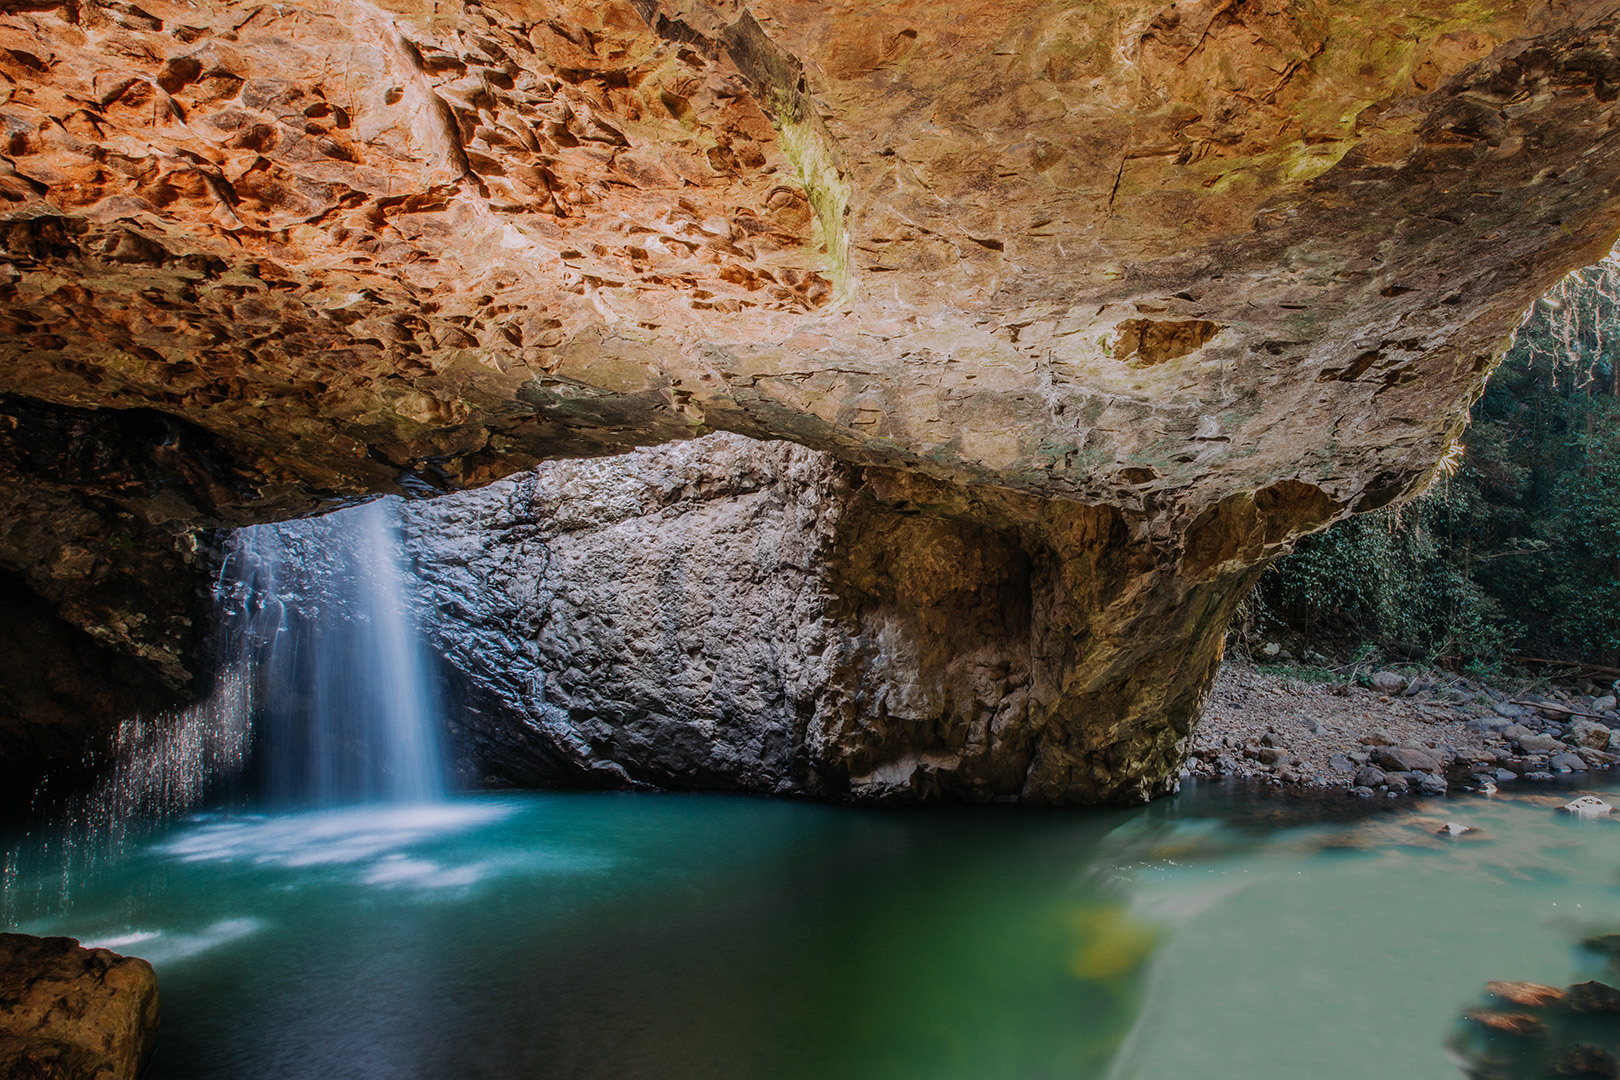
(1515, 550)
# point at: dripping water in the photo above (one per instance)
(323, 695)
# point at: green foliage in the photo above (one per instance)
(1519, 550)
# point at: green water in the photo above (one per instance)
(570, 936)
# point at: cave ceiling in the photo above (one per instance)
(258, 259)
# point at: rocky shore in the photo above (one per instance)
(1389, 733)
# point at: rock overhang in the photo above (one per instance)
(1232, 268)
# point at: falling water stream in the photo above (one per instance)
(319, 612)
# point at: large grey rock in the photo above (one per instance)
(754, 616)
(1388, 682)
(1406, 759)
(1591, 733)
(69, 1013)
(1535, 743)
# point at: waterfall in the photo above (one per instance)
(319, 612)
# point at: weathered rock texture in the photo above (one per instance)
(733, 614)
(1149, 256)
(68, 1013)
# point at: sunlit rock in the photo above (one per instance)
(68, 1013)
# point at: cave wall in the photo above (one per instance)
(730, 614)
(1143, 287)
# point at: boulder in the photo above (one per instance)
(1388, 682)
(1591, 733)
(1406, 759)
(1370, 777)
(70, 1013)
(1432, 784)
(1587, 805)
(1566, 763)
(1536, 743)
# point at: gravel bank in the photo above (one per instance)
(1396, 732)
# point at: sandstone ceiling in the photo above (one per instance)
(257, 258)
(1108, 251)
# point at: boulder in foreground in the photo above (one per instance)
(71, 1013)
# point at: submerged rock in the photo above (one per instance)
(70, 1013)
(1528, 994)
(1592, 997)
(1520, 1024)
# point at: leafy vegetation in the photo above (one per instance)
(1517, 550)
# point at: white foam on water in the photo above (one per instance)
(349, 836)
(162, 946)
(402, 871)
(120, 941)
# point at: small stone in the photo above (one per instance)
(1377, 738)
(1397, 782)
(1271, 755)
(1511, 711)
(1451, 828)
(1588, 805)
(1270, 650)
(1525, 994)
(1567, 763)
(1340, 763)
(1537, 774)
(1506, 776)
(1604, 704)
(1388, 682)
(1370, 776)
(1361, 791)
(1310, 724)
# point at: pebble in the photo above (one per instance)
(1340, 763)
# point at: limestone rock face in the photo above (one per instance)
(68, 1013)
(758, 616)
(1225, 270)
